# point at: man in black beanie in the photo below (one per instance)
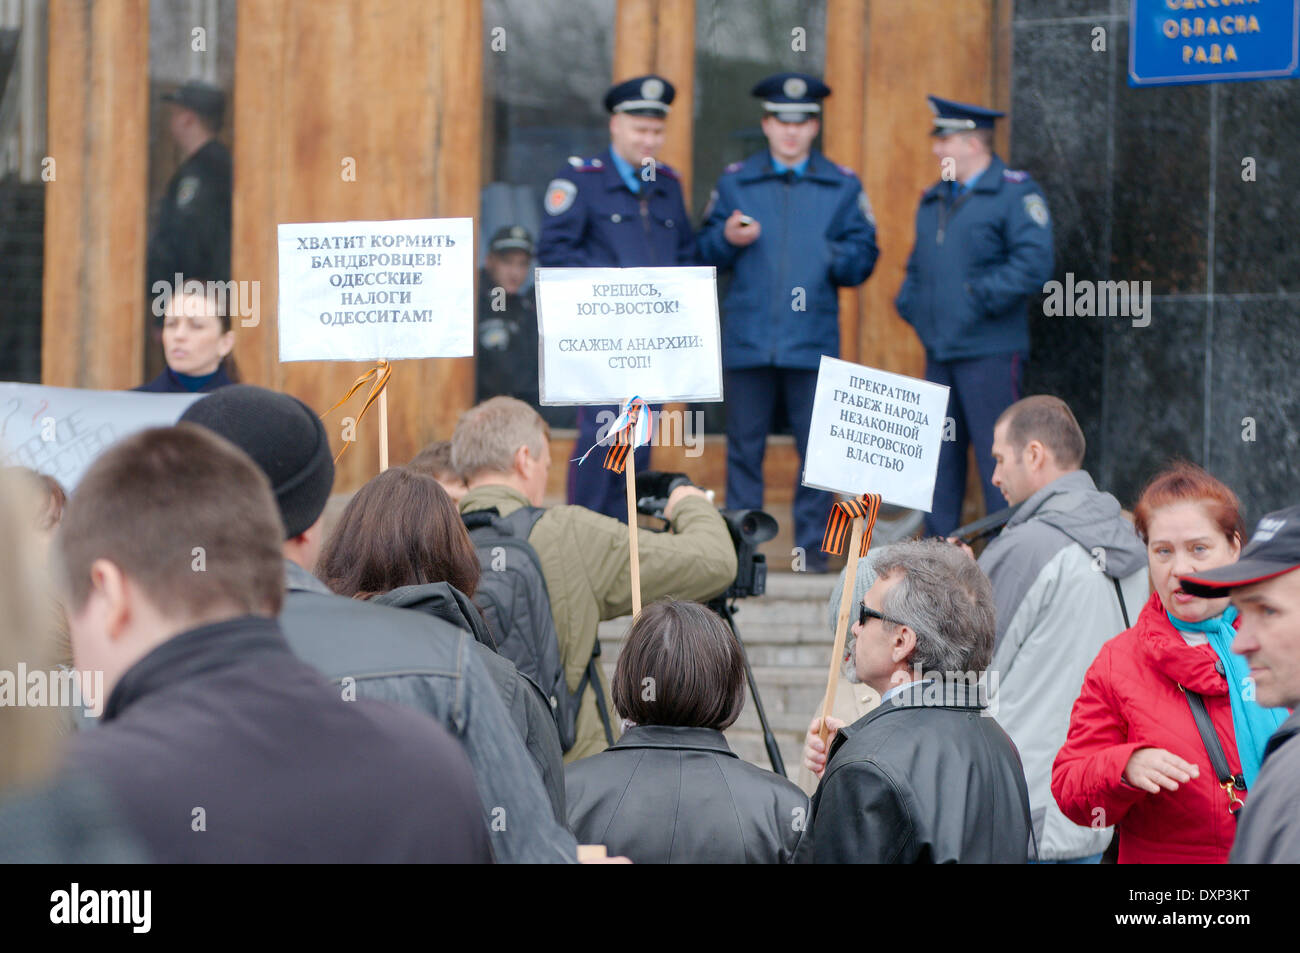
(383, 653)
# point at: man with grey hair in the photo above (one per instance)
(927, 776)
(502, 449)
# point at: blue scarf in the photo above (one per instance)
(1252, 724)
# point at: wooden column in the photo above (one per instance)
(95, 206)
(391, 89)
(843, 126)
(925, 46)
(658, 36)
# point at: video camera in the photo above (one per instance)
(748, 528)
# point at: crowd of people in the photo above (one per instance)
(270, 693)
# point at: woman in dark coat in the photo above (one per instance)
(197, 342)
(670, 790)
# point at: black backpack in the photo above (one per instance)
(513, 596)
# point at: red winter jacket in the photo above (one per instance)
(1130, 699)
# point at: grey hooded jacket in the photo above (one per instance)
(1053, 570)
(431, 665)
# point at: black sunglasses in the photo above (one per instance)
(865, 613)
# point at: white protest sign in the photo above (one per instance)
(60, 430)
(369, 291)
(875, 432)
(607, 334)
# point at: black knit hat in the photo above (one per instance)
(284, 437)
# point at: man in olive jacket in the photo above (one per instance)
(926, 777)
(502, 450)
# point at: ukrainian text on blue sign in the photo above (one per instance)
(1203, 41)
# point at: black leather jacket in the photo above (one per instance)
(927, 777)
(681, 796)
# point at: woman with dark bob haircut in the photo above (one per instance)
(670, 790)
(400, 542)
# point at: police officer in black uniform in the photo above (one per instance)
(621, 209)
(507, 320)
(192, 237)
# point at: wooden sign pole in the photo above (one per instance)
(383, 430)
(629, 470)
(842, 623)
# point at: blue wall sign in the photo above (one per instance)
(1208, 41)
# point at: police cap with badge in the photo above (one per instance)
(792, 97)
(951, 116)
(511, 238)
(649, 95)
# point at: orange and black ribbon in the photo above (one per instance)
(843, 513)
(616, 455)
(377, 377)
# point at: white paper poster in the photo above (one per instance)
(60, 430)
(875, 432)
(607, 334)
(368, 291)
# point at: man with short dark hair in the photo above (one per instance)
(983, 248)
(502, 447)
(1265, 588)
(411, 658)
(217, 744)
(1059, 569)
(927, 776)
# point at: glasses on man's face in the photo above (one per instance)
(865, 613)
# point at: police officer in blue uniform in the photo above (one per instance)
(983, 247)
(621, 209)
(793, 227)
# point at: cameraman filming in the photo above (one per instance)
(502, 449)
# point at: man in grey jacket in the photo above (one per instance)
(378, 652)
(1058, 570)
(1266, 591)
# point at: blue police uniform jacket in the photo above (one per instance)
(976, 262)
(593, 220)
(818, 235)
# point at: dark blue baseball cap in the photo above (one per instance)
(792, 97)
(1273, 551)
(951, 116)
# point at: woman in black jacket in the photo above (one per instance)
(670, 790)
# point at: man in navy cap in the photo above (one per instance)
(1265, 590)
(507, 320)
(983, 247)
(192, 236)
(793, 227)
(621, 209)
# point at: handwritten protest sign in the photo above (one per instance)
(60, 430)
(606, 334)
(370, 291)
(873, 431)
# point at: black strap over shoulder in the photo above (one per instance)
(1123, 610)
(1214, 748)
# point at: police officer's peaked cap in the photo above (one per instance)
(792, 97)
(204, 99)
(951, 116)
(511, 238)
(285, 438)
(642, 96)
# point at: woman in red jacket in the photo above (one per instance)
(1134, 756)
